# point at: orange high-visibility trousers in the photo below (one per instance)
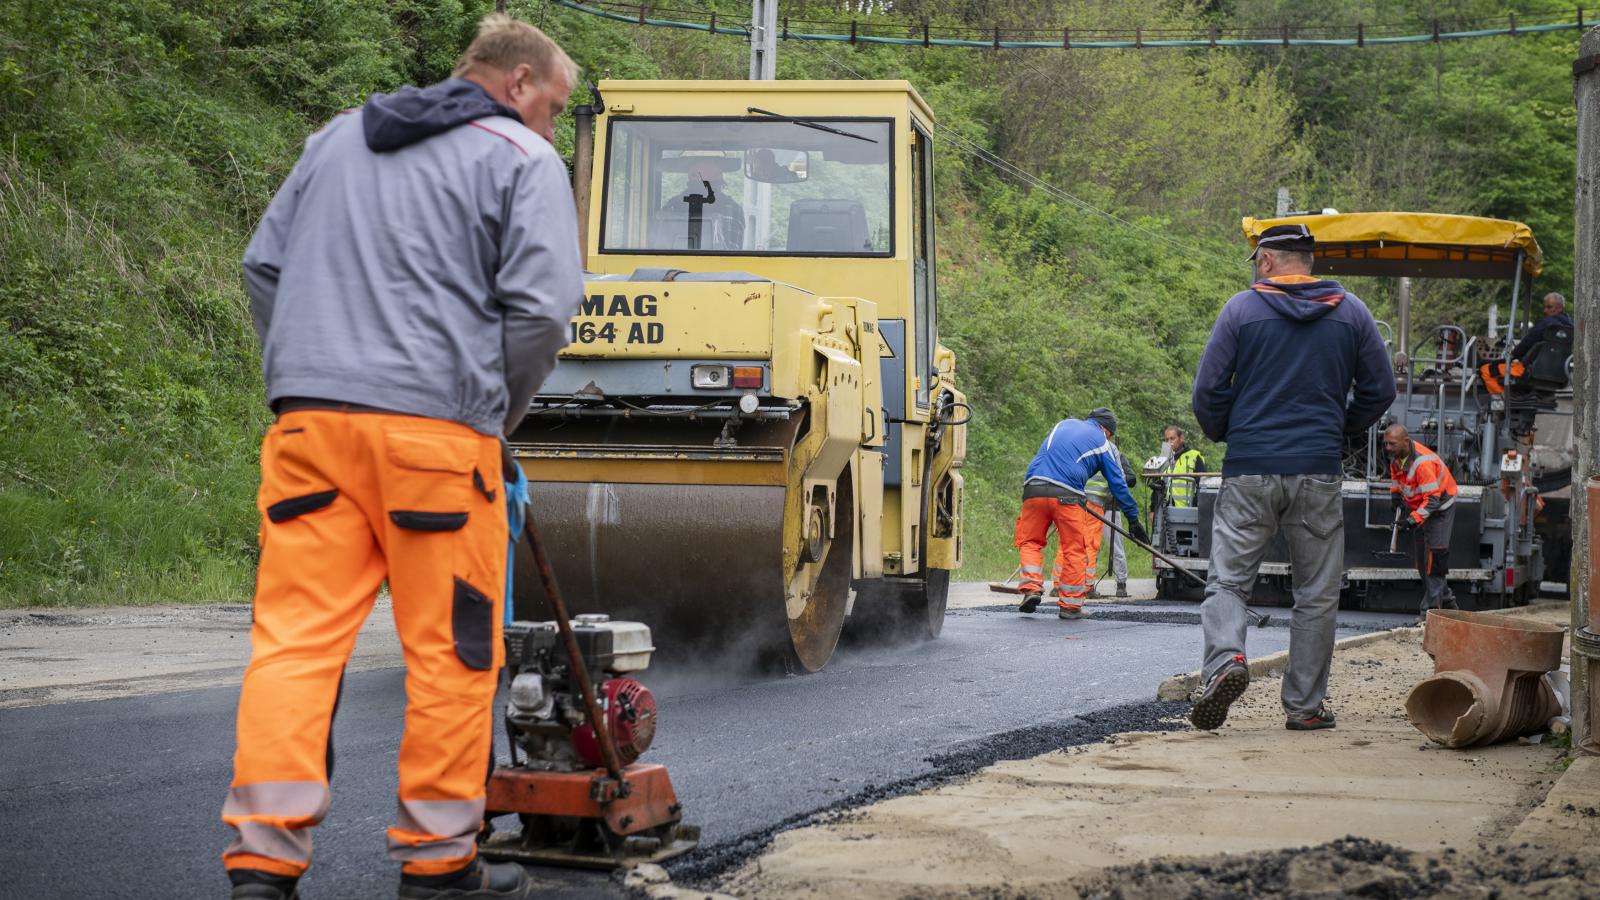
(1093, 532)
(1033, 533)
(348, 499)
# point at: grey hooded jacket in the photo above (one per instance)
(422, 257)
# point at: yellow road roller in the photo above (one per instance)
(754, 438)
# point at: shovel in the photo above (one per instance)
(1080, 500)
(1394, 537)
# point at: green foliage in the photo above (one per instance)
(1484, 127)
(1069, 313)
(144, 137)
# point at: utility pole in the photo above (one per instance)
(1585, 584)
(763, 40)
(1283, 202)
(763, 67)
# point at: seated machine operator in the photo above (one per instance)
(1555, 313)
(721, 216)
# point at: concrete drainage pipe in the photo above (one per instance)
(1488, 681)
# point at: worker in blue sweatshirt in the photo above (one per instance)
(1293, 365)
(1074, 451)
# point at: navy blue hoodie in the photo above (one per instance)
(400, 119)
(1276, 379)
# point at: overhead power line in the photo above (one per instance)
(959, 142)
(999, 37)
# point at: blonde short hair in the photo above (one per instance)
(504, 43)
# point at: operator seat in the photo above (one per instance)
(1546, 362)
(821, 226)
(1544, 373)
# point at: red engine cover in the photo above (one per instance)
(629, 712)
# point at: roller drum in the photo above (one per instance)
(702, 565)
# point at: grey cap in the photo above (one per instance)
(1104, 418)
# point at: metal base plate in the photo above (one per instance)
(507, 845)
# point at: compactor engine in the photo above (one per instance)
(754, 434)
(545, 718)
(571, 810)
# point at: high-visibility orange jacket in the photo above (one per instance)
(1424, 481)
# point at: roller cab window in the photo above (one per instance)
(756, 186)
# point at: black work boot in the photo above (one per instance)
(1211, 708)
(251, 884)
(1031, 601)
(1122, 590)
(478, 881)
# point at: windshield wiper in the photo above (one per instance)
(803, 123)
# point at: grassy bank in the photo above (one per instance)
(142, 139)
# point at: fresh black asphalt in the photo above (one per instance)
(120, 798)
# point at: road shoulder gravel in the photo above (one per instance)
(1044, 826)
(70, 655)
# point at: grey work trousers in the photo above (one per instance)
(1430, 549)
(1306, 510)
(1119, 551)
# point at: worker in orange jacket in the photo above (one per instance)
(1424, 494)
(411, 283)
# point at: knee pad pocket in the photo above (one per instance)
(472, 626)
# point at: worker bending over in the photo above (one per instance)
(1425, 505)
(411, 283)
(1073, 451)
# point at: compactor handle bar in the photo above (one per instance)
(580, 672)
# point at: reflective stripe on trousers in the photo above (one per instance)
(273, 821)
(436, 829)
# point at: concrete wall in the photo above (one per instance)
(1586, 390)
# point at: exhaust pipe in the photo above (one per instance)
(1488, 683)
(583, 165)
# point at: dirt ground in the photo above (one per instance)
(1046, 827)
(1355, 867)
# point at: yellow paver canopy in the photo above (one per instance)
(1421, 245)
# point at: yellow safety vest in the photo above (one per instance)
(1184, 490)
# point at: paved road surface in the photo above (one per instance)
(119, 798)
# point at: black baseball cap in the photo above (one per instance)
(1285, 237)
(1103, 417)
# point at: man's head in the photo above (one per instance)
(1173, 437)
(522, 68)
(1104, 418)
(1554, 304)
(1396, 440)
(1284, 250)
(705, 169)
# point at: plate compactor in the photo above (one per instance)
(574, 779)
